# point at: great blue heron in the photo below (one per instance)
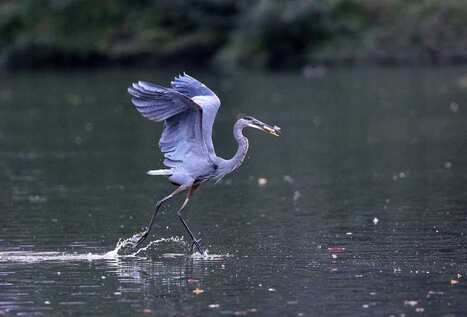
(188, 109)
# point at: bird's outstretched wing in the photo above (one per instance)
(182, 137)
(206, 98)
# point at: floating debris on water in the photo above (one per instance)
(296, 195)
(336, 249)
(448, 165)
(271, 289)
(214, 305)
(147, 311)
(348, 233)
(454, 282)
(375, 221)
(288, 179)
(410, 303)
(198, 291)
(78, 140)
(401, 175)
(431, 293)
(454, 106)
(262, 181)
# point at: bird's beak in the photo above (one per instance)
(274, 130)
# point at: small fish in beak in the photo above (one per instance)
(274, 130)
(255, 123)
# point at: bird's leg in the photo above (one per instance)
(179, 214)
(141, 237)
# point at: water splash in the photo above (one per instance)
(147, 251)
(123, 249)
(152, 244)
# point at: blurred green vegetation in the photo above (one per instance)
(231, 33)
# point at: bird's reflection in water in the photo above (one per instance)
(164, 267)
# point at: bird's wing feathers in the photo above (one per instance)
(158, 103)
(182, 139)
(206, 98)
(184, 136)
(190, 86)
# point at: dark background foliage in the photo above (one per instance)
(227, 33)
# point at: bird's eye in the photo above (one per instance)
(248, 118)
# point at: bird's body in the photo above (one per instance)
(188, 109)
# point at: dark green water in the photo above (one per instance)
(363, 211)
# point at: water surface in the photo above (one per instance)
(359, 208)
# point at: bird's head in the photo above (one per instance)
(255, 123)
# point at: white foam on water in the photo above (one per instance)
(122, 247)
(32, 257)
(197, 256)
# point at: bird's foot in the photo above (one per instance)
(197, 243)
(138, 238)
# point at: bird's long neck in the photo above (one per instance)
(242, 149)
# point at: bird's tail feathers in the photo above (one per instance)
(160, 172)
